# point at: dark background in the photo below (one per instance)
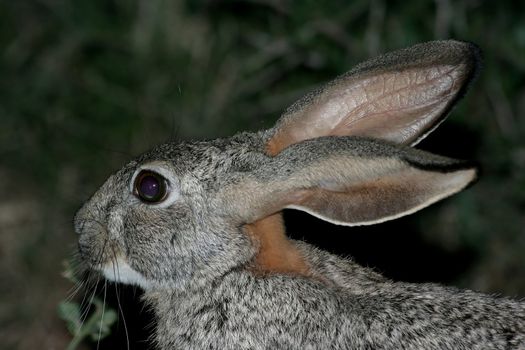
(86, 85)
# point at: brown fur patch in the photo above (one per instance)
(276, 144)
(276, 253)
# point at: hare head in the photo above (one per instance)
(188, 212)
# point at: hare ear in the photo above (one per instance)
(352, 181)
(398, 97)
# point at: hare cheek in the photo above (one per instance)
(115, 223)
(120, 271)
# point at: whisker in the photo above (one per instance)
(72, 292)
(118, 298)
(85, 313)
(91, 273)
(92, 283)
(77, 271)
(102, 316)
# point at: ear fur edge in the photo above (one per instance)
(474, 60)
(470, 177)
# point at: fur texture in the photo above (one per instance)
(213, 258)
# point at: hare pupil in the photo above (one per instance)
(150, 187)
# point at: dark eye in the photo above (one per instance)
(150, 187)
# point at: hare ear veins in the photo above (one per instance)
(398, 97)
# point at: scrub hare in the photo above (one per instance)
(198, 225)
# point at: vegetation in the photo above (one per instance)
(88, 84)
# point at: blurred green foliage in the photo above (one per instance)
(96, 327)
(86, 84)
(91, 318)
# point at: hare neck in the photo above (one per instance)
(276, 253)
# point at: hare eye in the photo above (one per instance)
(150, 187)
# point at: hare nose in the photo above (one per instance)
(92, 241)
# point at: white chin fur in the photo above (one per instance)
(120, 271)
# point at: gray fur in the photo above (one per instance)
(193, 258)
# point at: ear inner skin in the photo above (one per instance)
(277, 254)
(384, 199)
(399, 97)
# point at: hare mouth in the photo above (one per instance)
(118, 270)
